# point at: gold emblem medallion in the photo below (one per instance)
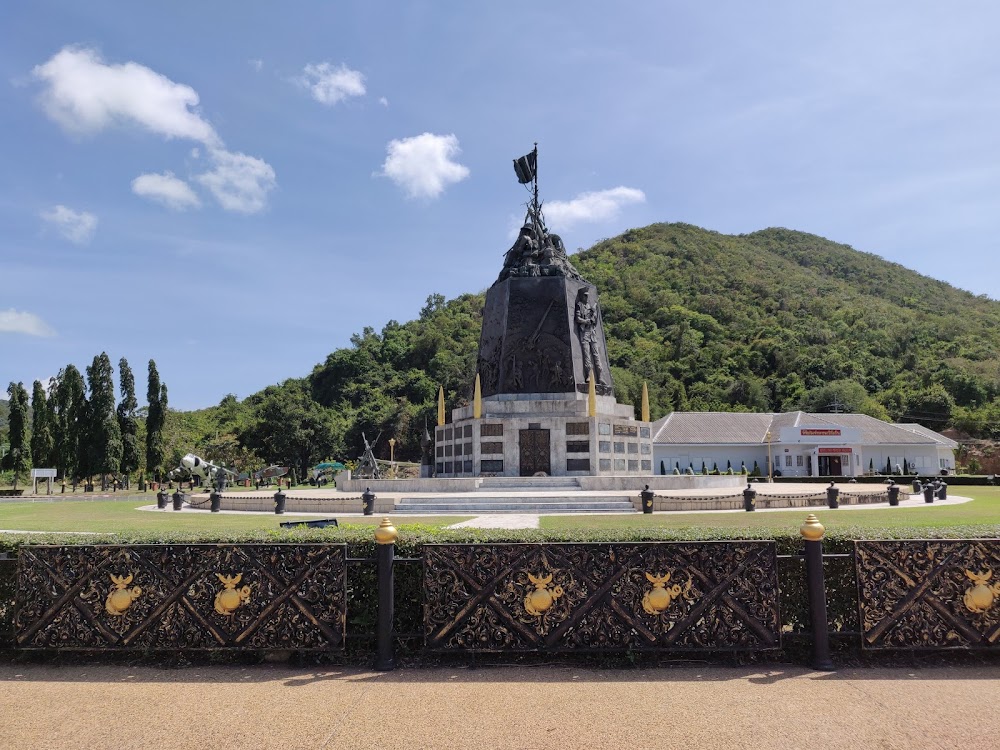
(980, 597)
(542, 597)
(658, 598)
(230, 598)
(121, 597)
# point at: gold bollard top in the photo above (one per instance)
(812, 530)
(386, 533)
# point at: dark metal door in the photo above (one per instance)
(535, 454)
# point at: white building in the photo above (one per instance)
(798, 444)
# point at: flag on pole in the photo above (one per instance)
(524, 168)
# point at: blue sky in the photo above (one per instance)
(233, 189)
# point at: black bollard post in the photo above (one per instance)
(749, 498)
(161, 499)
(367, 502)
(647, 500)
(385, 654)
(812, 532)
(216, 499)
(832, 493)
(943, 491)
(279, 502)
(928, 493)
(178, 499)
(917, 487)
(893, 490)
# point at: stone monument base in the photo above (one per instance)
(544, 435)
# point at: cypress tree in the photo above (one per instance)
(70, 413)
(105, 436)
(41, 431)
(156, 397)
(127, 422)
(17, 429)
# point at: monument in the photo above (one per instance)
(544, 397)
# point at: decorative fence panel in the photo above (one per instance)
(151, 597)
(579, 597)
(929, 594)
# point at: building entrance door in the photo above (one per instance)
(830, 466)
(535, 454)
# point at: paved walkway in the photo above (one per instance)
(272, 706)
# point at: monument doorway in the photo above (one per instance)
(534, 450)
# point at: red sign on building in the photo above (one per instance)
(817, 431)
(834, 450)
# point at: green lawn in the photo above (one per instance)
(983, 510)
(121, 516)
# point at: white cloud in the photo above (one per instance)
(329, 85)
(239, 182)
(75, 226)
(599, 206)
(423, 165)
(257, 64)
(383, 101)
(12, 321)
(164, 188)
(84, 94)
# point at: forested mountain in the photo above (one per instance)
(772, 320)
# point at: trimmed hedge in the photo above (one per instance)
(362, 598)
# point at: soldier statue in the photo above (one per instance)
(590, 347)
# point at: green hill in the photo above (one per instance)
(772, 320)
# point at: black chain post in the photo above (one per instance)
(832, 493)
(216, 499)
(893, 490)
(178, 499)
(367, 502)
(749, 498)
(647, 500)
(812, 532)
(279, 501)
(385, 654)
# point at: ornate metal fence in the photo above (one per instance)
(560, 597)
(929, 594)
(150, 597)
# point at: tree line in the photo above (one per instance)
(77, 429)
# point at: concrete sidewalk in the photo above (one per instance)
(758, 707)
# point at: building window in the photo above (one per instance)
(645, 449)
(578, 428)
(619, 447)
(577, 464)
(633, 466)
(619, 464)
(447, 434)
(644, 432)
(447, 467)
(604, 429)
(604, 446)
(798, 460)
(578, 446)
(440, 451)
(647, 465)
(458, 449)
(468, 430)
(788, 460)
(605, 464)
(447, 452)
(491, 430)
(467, 465)
(440, 468)
(491, 447)
(633, 447)
(493, 466)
